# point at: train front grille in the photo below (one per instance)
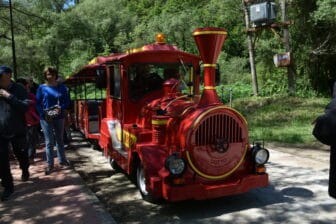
(218, 126)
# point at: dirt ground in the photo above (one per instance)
(121, 198)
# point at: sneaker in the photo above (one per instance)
(49, 170)
(7, 194)
(25, 175)
(69, 147)
(65, 163)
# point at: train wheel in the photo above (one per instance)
(141, 183)
(95, 145)
(115, 165)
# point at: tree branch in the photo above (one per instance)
(325, 48)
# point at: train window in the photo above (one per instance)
(101, 78)
(92, 92)
(115, 81)
(81, 91)
(86, 90)
(148, 77)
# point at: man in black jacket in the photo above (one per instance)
(332, 172)
(14, 103)
(331, 109)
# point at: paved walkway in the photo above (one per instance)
(60, 197)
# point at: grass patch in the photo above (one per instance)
(281, 119)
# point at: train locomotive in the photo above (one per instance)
(155, 124)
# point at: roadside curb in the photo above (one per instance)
(104, 215)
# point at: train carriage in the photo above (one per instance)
(88, 102)
(156, 125)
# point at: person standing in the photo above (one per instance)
(32, 85)
(52, 95)
(20, 150)
(332, 172)
(32, 119)
(331, 108)
(13, 105)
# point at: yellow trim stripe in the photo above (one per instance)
(93, 61)
(129, 139)
(209, 87)
(159, 122)
(219, 176)
(209, 65)
(209, 32)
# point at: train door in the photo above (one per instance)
(88, 106)
(114, 111)
(80, 93)
(93, 105)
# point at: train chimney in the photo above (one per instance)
(209, 42)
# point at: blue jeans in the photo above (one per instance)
(52, 131)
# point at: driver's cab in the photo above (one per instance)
(151, 81)
(147, 78)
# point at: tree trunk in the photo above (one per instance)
(251, 51)
(286, 40)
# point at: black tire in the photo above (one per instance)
(95, 145)
(115, 165)
(141, 184)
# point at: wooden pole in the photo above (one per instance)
(286, 41)
(12, 38)
(251, 50)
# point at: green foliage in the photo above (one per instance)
(52, 32)
(87, 91)
(281, 119)
(233, 69)
(326, 11)
(230, 92)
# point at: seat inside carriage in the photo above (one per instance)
(93, 115)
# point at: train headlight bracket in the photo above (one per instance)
(175, 165)
(260, 154)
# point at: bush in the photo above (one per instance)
(234, 91)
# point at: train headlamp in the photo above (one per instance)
(260, 154)
(175, 165)
(160, 38)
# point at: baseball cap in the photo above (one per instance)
(4, 68)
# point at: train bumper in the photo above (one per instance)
(207, 191)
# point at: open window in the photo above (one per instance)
(101, 78)
(144, 78)
(115, 81)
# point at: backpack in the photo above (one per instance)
(325, 127)
(7, 119)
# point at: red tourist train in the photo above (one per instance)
(149, 118)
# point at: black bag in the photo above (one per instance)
(52, 112)
(7, 119)
(325, 128)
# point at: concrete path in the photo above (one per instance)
(60, 197)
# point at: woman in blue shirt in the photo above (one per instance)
(49, 95)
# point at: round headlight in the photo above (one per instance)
(261, 156)
(175, 165)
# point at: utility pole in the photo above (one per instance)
(12, 38)
(251, 50)
(286, 40)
